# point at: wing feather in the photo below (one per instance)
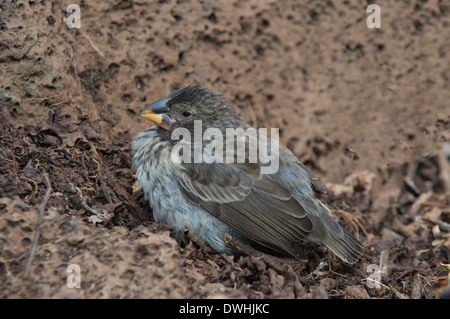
(252, 204)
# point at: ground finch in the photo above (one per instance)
(211, 194)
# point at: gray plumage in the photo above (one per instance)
(274, 210)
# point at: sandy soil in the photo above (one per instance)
(367, 109)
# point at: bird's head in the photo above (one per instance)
(188, 104)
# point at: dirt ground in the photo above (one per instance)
(366, 109)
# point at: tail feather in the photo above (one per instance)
(327, 231)
(344, 245)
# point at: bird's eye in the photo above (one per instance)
(186, 114)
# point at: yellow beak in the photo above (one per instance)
(157, 114)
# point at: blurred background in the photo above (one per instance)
(366, 109)
(344, 96)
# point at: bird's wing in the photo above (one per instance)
(315, 183)
(252, 204)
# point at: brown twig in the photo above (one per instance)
(102, 214)
(93, 44)
(355, 222)
(83, 202)
(435, 204)
(37, 232)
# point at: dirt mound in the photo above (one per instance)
(366, 109)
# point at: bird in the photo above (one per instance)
(213, 196)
